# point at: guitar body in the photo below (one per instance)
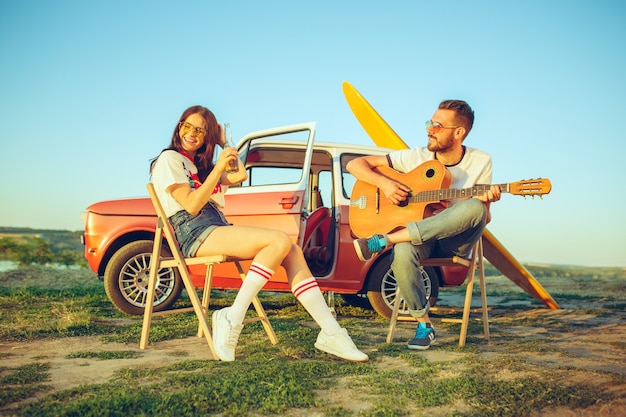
(371, 212)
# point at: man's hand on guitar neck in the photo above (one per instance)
(492, 195)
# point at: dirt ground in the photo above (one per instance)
(588, 348)
(580, 341)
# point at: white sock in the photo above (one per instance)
(310, 296)
(257, 277)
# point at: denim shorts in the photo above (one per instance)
(192, 230)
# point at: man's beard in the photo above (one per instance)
(435, 145)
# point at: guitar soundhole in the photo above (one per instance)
(430, 173)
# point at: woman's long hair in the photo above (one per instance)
(204, 156)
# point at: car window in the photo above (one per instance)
(325, 179)
(269, 175)
(277, 160)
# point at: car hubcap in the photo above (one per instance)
(390, 287)
(134, 277)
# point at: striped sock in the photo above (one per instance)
(257, 277)
(310, 296)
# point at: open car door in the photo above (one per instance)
(278, 162)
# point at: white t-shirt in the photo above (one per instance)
(474, 168)
(171, 168)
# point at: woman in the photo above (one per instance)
(191, 189)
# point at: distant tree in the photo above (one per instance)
(62, 248)
(34, 251)
(8, 248)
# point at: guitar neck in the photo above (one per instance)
(449, 193)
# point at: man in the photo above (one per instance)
(452, 231)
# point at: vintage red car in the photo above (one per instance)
(295, 185)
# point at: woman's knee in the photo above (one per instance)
(294, 261)
(281, 243)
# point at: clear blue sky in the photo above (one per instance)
(90, 91)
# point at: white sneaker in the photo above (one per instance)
(341, 345)
(225, 335)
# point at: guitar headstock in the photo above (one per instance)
(533, 187)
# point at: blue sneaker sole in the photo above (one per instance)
(420, 347)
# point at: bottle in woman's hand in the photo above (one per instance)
(233, 165)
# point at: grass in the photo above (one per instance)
(23, 382)
(118, 354)
(293, 378)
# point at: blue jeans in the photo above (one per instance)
(191, 231)
(452, 232)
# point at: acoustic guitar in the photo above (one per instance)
(371, 212)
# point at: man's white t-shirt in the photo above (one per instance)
(171, 168)
(474, 168)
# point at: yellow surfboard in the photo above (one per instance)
(384, 136)
(376, 127)
(505, 262)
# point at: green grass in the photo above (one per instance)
(22, 382)
(205, 388)
(293, 378)
(118, 354)
(30, 313)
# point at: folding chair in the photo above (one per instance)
(158, 262)
(473, 264)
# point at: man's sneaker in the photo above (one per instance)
(225, 335)
(341, 345)
(366, 248)
(424, 337)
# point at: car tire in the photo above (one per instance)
(126, 279)
(382, 286)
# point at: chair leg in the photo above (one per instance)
(147, 314)
(476, 266)
(468, 294)
(197, 308)
(154, 269)
(394, 317)
(483, 292)
(206, 295)
(331, 303)
(265, 321)
(466, 310)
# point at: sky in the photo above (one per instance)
(90, 92)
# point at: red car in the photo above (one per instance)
(294, 185)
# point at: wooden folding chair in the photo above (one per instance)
(157, 262)
(474, 264)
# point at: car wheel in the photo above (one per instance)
(382, 287)
(126, 279)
